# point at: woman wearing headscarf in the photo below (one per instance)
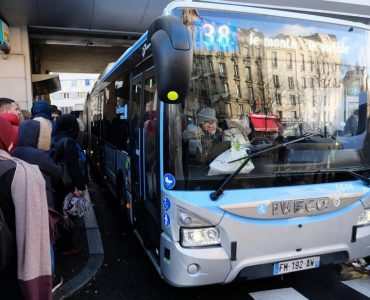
(13, 119)
(27, 273)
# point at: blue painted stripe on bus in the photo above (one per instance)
(161, 139)
(126, 54)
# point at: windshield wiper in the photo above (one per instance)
(216, 194)
(364, 179)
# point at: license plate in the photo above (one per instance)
(296, 265)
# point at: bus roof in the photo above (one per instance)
(350, 10)
(344, 8)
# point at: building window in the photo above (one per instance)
(241, 110)
(260, 75)
(292, 100)
(294, 114)
(312, 83)
(210, 65)
(222, 69)
(226, 89)
(259, 52)
(289, 61)
(276, 81)
(303, 82)
(250, 93)
(65, 95)
(247, 52)
(311, 63)
(290, 83)
(313, 101)
(248, 72)
(214, 90)
(236, 71)
(238, 91)
(66, 110)
(274, 59)
(280, 113)
(278, 99)
(302, 62)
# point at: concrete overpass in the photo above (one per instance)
(85, 35)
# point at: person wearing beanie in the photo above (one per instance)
(207, 120)
(204, 139)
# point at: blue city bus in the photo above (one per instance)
(236, 140)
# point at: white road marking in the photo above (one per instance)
(279, 294)
(361, 285)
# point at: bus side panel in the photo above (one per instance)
(123, 182)
(110, 166)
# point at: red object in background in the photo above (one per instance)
(265, 123)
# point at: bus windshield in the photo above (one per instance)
(258, 81)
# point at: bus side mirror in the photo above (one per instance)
(173, 58)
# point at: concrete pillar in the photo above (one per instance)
(15, 68)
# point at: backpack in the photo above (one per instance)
(66, 178)
(7, 239)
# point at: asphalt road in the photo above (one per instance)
(127, 273)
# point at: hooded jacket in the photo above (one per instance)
(33, 146)
(42, 109)
(14, 121)
(68, 129)
(7, 134)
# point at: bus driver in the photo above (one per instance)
(205, 140)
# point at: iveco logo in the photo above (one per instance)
(145, 47)
(292, 207)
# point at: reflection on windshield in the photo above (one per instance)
(258, 81)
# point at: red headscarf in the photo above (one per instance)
(14, 121)
(7, 134)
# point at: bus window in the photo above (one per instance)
(150, 137)
(135, 137)
(115, 115)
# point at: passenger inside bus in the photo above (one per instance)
(205, 140)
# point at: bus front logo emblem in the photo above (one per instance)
(262, 209)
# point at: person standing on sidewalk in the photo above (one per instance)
(66, 150)
(9, 110)
(23, 201)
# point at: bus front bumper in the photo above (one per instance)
(192, 267)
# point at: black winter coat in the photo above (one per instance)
(27, 150)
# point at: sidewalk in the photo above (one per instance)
(78, 270)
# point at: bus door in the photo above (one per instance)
(144, 160)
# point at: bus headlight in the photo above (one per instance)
(364, 217)
(198, 237)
